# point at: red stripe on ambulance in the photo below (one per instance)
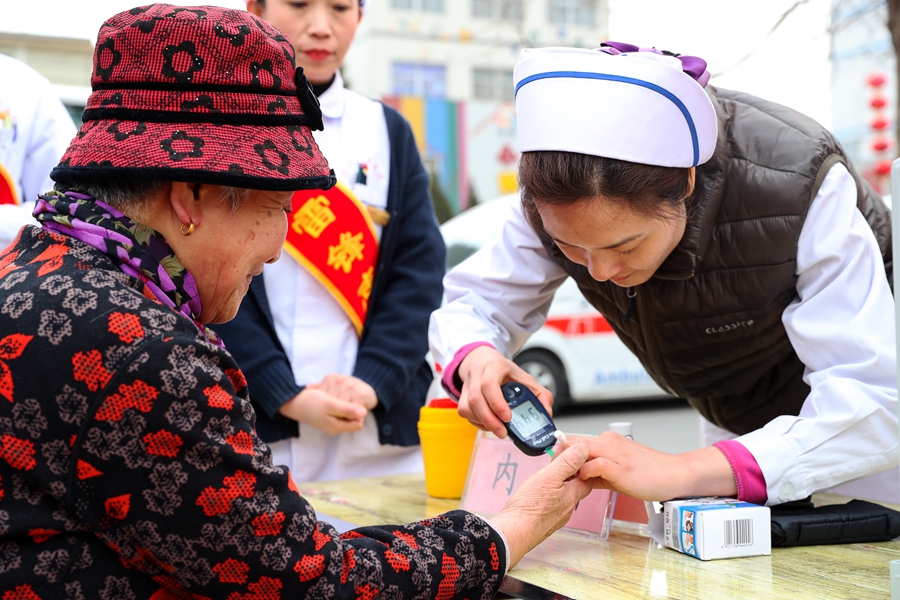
(577, 325)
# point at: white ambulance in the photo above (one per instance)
(576, 355)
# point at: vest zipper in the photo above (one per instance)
(650, 343)
(631, 293)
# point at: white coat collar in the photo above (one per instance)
(332, 101)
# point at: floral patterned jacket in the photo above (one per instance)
(130, 467)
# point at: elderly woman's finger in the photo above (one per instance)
(570, 461)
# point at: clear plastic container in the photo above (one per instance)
(626, 429)
(497, 470)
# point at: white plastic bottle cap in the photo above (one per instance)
(622, 428)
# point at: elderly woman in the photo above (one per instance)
(129, 462)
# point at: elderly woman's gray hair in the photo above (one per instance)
(122, 193)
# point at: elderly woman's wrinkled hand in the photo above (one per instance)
(481, 402)
(543, 503)
(323, 411)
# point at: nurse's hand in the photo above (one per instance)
(624, 465)
(349, 388)
(323, 411)
(543, 503)
(481, 402)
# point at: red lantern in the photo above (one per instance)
(876, 79)
(883, 167)
(878, 102)
(879, 123)
(880, 144)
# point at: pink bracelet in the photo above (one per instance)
(450, 378)
(749, 478)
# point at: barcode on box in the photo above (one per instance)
(738, 532)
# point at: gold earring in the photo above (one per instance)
(187, 231)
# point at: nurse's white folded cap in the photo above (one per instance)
(640, 106)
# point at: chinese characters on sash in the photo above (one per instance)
(332, 235)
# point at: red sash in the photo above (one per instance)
(8, 194)
(332, 235)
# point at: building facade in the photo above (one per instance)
(66, 62)
(447, 66)
(462, 49)
(864, 86)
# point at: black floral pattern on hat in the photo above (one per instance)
(196, 62)
(114, 99)
(104, 50)
(169, 146)
(266, 148)
(201, 14)
(236, 39)
(124, 135)
(146, 26)
(306, 146)
(278, 105)
(266, 65)
(202, 101)
(260, 24)
(86, 128)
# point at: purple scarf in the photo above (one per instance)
(136, 249)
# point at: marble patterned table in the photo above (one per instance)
(630, 564)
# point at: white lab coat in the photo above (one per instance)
(35, 130)
(841, 326)
(313, 329)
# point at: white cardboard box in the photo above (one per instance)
(709, 528)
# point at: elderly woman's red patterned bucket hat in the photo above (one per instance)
(201, 94)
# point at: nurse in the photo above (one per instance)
(731, 246)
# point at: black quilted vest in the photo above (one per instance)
(707, 326)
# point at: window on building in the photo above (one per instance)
(509, 10)
(572, 12)
(420, 5)
(416, 79)
(493, 84)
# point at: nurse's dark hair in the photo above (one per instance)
(561, 178)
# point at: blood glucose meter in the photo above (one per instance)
(531, 428)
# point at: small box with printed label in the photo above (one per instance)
(709, 528)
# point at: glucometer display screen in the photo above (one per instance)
(527, 421)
